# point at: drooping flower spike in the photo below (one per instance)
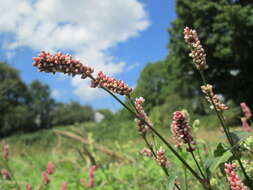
(246, 110)
(62, 63)
(142, 127)
(161, 158)
(213, 98)
(112, 84)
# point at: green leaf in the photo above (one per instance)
(171, 181)
(220, 160)
(220, 149)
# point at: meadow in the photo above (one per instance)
(115, 150)
(186, 125)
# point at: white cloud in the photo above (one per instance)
(86, 27)
(55, 93)
(132, 66)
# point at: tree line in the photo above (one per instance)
(225, 28)
(27, 108)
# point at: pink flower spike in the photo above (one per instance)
(5, 152)
(181, 129)
(234, 180)
(45, 177)
(112, 84)
(161, 158)
(91, 175)
(245, 124)
(6, 174)
(246, 110)
(59, 62)
(28, 187)
(50, 168)
(197, 51)
(64, 186)
(146, 152)
(141, 125)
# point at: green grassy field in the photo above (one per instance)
(116, 153)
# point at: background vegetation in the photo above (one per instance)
(225, 28)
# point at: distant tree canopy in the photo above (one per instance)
(72, 113)
(225, 28)
(31, 107)
(14, 101)
(42, 104)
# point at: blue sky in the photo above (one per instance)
(118, 37)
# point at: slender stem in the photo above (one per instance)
(176, 154)
(149, 146)
(177, 187)
(132, 103)
(152, 134)
(153, 153)
(185, 178)
(12, 175)
(196, 162)
(195, 174)
(200, 159)
(226, 130)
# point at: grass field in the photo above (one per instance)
(74, 148)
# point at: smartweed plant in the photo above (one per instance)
(229, 156)
(180, 126)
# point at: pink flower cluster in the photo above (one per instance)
(197, 53)
(45, 178)
(142, 127)
(5, 152)
(6, 174)
(59, 62)
(64, 186)
(49, 170)
(161, 158)
(234, 181)
(180, 129)
(64, 63)
(146, 152)
(245, 124)
(112, 84)
(246, 110)
(212, 98)
(91, 175)
(28, 187)
(247, 116)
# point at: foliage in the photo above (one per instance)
(30, 107)
(41, 104)
(225, 29)
(14, 97)
(71, 113)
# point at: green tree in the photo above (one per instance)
(42, 105)
(15, 114)
(225, 28)
(72, 113)
(152, 84)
